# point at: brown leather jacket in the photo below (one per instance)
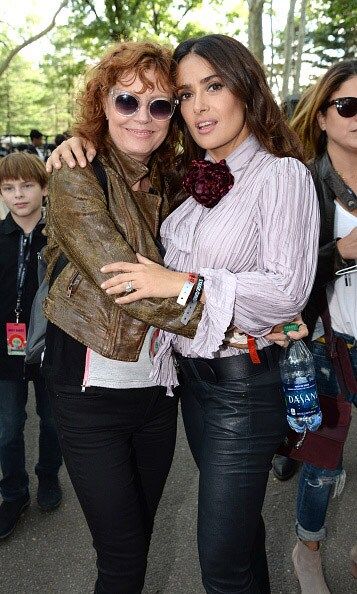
(92, 232)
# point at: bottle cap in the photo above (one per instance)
(290, 327)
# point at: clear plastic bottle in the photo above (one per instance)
(298, 377)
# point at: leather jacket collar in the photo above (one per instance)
(335, 183)
(130, 170)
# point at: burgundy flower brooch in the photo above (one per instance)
(208, 182)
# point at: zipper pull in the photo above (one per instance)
(70, 289)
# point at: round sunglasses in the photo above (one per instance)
(346, 106)
(128, 104)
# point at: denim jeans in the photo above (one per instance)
(13, 400)
(315, 484)
(233, 429)
(118, 447)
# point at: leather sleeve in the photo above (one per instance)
(85, 232)
(329, 262)
(329, 259)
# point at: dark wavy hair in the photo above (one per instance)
(314, 101)
(131, 56)
(245, 78)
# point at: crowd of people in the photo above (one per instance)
(38, 144)
(196, 224)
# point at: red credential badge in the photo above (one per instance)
(16, 338)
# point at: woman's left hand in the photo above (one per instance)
(146, 278)
(279, 337)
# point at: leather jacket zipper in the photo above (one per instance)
(73, 284)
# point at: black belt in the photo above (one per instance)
(228, 368)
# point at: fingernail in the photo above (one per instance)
(72, 164)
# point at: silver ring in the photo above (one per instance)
(129, 287)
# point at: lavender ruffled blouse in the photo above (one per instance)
(256, 249)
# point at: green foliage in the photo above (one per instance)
(30, 97)
(62, 70)
(127, 19)
(44, 97)
(334, 36)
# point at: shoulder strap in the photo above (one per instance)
(101, 175)
(340, 357)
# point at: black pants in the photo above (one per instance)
(233, 428)
(118, 447)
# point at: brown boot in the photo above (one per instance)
(308, 570)
(353, 555)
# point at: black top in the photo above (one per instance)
(12, 367)
(64, 360)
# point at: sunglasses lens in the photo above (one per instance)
(161, 109)
(126, 104)
(347, 107)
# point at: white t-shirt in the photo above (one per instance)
(120, 375)
(342, 295)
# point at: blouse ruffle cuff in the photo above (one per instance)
(220, 290)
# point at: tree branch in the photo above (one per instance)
(5, 64)
(92, 7)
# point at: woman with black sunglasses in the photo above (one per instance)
(326, 121)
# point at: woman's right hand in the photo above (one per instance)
(347, 246)
(74, 150)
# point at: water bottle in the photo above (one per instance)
(298, 377)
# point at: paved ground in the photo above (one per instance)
(52, 553)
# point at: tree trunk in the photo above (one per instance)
(6, 62)
(288, 50)
(301, 41)
(255, 29)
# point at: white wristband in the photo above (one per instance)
(185, 293)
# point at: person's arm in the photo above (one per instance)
(287, 257)
(336, 255)
(85, 232)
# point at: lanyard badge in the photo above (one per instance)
(22, 265)
(16, 331)
(16, 338)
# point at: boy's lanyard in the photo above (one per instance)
(22, 266)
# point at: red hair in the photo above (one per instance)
(123, 58)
